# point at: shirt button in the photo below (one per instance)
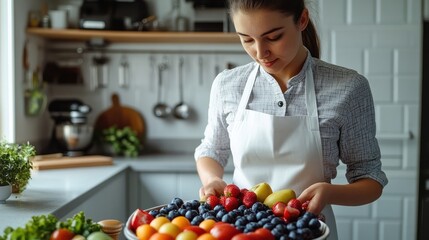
(280, 104)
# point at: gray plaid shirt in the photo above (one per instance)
(345, 107)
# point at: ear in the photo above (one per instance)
(304, 19)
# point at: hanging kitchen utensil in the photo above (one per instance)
(123, 78)
(101, 70)
(121, 116)
(181, 110)
(161, 109)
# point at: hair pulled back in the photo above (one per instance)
(288, 7)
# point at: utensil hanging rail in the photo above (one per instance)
(396, 136)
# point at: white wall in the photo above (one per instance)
(382, 40)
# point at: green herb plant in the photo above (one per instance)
(15, 164)
(123, 141)
(41, 227)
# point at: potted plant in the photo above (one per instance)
(16, 165)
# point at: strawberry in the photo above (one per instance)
(304, 206)
(290, 214)
(231, 190)
(212, 200)
(295, 203)
(222, 200)
(249, 199)
(279, 209)
(242, 192)
(231, 203)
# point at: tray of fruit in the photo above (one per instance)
(258, 213)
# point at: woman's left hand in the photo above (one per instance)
(317, 195)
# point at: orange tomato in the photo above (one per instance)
(145, 231)
(181, 222)
(158, 222)
(207, 224)
(161, 236)
(170, 229)
(206, 236)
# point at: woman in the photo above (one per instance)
(288, 118)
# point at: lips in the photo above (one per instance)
(268, 63)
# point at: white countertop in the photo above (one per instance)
(59, 191)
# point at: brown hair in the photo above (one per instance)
(310, 37)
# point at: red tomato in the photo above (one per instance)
(242, 236)
(196, 229)
(140, 217)
(224, 231)
(265, 234)
(62, 234)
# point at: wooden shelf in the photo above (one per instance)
(134, 36)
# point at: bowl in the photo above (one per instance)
(130, 235)
(74, 137)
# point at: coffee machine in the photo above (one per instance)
(71, 134)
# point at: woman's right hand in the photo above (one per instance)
(214, 187)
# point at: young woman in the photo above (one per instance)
(288, 118)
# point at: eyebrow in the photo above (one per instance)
(263, 34)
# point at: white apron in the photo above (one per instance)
(285, 152)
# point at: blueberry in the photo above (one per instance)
(241, 208)
(269, 226)
(171, 206)
(154, 212)
(294, 235)
(306, 233)
(247, 211)
(258, 206)
(220, 214)
(218, 207)
(173, 214)
(251, 217)
(187, 205)
(314, 223)
(197, 220)
(284, 237)
(182, 211)
(242, 221)
(195, 204)
(261, 215)
(277, 220)
(291, 226)
(253, 226)
(177, 201)
(277, 233)
(227, 218)
(190, 214)
(209, 214)
(301, 223)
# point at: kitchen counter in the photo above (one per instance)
(60, 191)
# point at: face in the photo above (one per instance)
(271, 38)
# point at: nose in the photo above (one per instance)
(262, 51)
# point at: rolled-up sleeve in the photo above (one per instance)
(215, 143)
(359, 148)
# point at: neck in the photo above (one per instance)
(292, 69)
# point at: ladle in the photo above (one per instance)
(161, 109)
(181, 110)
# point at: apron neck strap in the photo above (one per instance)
(310, 93)
(246, 93)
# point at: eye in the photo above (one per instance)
(275, 38)
(246, 40)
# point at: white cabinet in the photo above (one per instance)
(107, 201)
(151, 189)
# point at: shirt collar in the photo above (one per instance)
(297, 78)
